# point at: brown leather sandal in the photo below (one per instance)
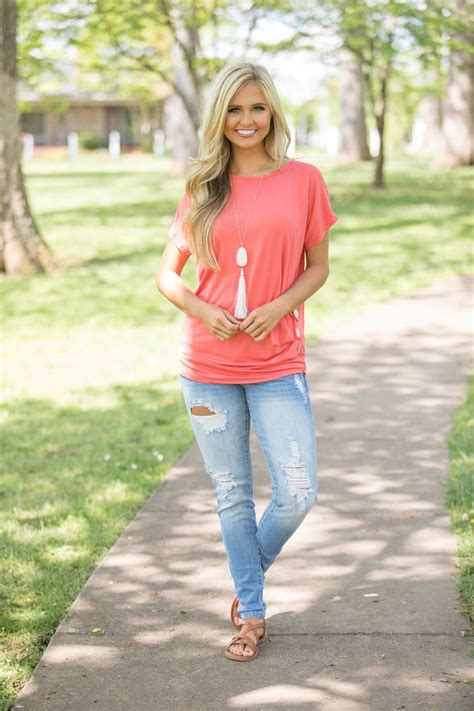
(247, 640)
(234, 614)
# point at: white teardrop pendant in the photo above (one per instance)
(242, 257)
(241, 302)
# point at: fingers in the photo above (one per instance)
(253, 325)
(226, 330)
(228, 326)
(225, 325)
(224, 335)
(232, 318)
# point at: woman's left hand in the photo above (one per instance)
(262, 320)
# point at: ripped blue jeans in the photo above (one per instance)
(282, 417)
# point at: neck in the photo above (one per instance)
(249, 162)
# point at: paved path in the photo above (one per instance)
(363, 609)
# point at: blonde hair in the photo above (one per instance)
(208, 182)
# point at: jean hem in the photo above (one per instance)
(254, 613)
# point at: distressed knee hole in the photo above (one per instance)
(297, 476)
(223, 482)
(209, 419)
(200, 410)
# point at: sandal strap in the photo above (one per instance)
(245, 639)
(234, 611)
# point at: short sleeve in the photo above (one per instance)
(175, 231)
(320, 214)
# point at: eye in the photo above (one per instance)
(236, 108)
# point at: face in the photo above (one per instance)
(248, 116)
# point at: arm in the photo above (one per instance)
(263, 319)
(218, 321)
(169, 283)
(314, 276)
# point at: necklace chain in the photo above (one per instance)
(241, 309)
(259, 169)
(248, 216)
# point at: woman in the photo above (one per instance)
(249, 215)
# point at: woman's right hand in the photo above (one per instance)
(220, 322)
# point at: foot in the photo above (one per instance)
(241, 647)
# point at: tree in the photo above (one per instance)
(431, 111)
(160, 38)
(457, 146)
(383, 34)
(164, 38)
(379, 33)
(22, 249)
(354, 145)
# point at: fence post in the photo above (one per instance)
(28, 146)
(114, 144)
(73, 144)
(158, 142)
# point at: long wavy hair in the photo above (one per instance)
(208, 182)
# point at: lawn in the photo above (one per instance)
(460, 496)
(92, 412)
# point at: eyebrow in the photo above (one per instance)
(258, 103)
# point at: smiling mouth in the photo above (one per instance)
(246, 134)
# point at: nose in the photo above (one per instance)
(246, 121)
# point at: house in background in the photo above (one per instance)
(50, 119)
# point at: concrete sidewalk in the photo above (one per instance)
(363, 608)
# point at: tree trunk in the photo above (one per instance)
(22, 249)
(431, 114)
(181, 134)
(182, 115)
(380, 112)
(458, 121)
(354, 146)
(426, 131)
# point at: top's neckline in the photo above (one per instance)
(268, 175)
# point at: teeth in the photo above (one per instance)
(247, 132)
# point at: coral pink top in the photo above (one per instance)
(292, 212)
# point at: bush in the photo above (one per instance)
(90, 141)
(146, 142)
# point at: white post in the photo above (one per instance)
(158, 142)
(332, 140)
(374, 141)
(28, 146)
(73, 144)
(114, 144)
(417, 135)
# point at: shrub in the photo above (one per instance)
(90, 141)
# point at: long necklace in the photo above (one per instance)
(241, 310)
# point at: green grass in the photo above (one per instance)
(93, 415)
(460, 496)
